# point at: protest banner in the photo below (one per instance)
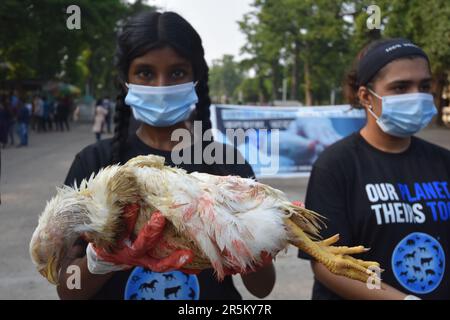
(283, 141)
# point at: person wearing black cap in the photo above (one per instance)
(384, 188)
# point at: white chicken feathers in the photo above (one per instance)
(227, 221)
(218, 213)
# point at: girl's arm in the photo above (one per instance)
(90, 283)
(260, 283)
(352, 289)
(127, 254)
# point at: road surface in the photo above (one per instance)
(28, 180)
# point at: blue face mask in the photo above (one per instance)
(405, 114)
(162, 106)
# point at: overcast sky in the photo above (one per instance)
(214, 20)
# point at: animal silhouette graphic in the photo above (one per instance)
(429, 272)
(412, 280)
(135, 279)
(426, 260)
(169, 276)
(398, 263)
(422, 249)
(404, 273)
(148, 285)
(133, 296)
(410, 242)
(410, 255)
(170, 291)
(187, 278)
(191, 293)
(417, 269)
(435, 247)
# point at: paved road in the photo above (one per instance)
(29, 177)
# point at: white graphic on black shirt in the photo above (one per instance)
(414, 203)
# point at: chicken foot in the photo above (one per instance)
(335, 259)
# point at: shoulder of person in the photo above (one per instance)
(89, 160)
(98, 153)
(339, 152)
(239, 166)
(429, 148)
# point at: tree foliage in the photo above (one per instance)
(311, 43)
(35, 42)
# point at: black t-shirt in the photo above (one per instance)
(140, 283)
(396, 204)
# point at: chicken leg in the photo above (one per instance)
(335, 259)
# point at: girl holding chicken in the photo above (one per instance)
(163, 81)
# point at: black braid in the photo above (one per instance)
(202, 112)
(121, 124)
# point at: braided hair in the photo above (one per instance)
(142, 33)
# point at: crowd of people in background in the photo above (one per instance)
(15, 118)
(43, 112)
(38, 112)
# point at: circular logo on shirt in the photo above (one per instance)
(418, 263)
(144, 284)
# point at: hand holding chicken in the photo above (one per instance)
(228, 223)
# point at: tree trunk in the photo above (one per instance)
(308, 89)
(261, 90)
(295, 68)
(276, 81)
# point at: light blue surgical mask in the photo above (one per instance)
(405, 114)
(162, 106)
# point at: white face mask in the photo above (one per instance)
(405, 114)
(162, 106)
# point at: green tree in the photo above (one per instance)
(426, 23)
(312, 43)
(264, 49)
(304, 41)
(38, 45)
(225, 75)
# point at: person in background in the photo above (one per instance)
(37, 113)
(66, 111)
(23, 121)
(13, 107)
(4, 122)
(57, 114)
(76, 114)
(62, 113)
(384, 188)
(45, 113)
(51, 112)
(108, 106)
(99, 119)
